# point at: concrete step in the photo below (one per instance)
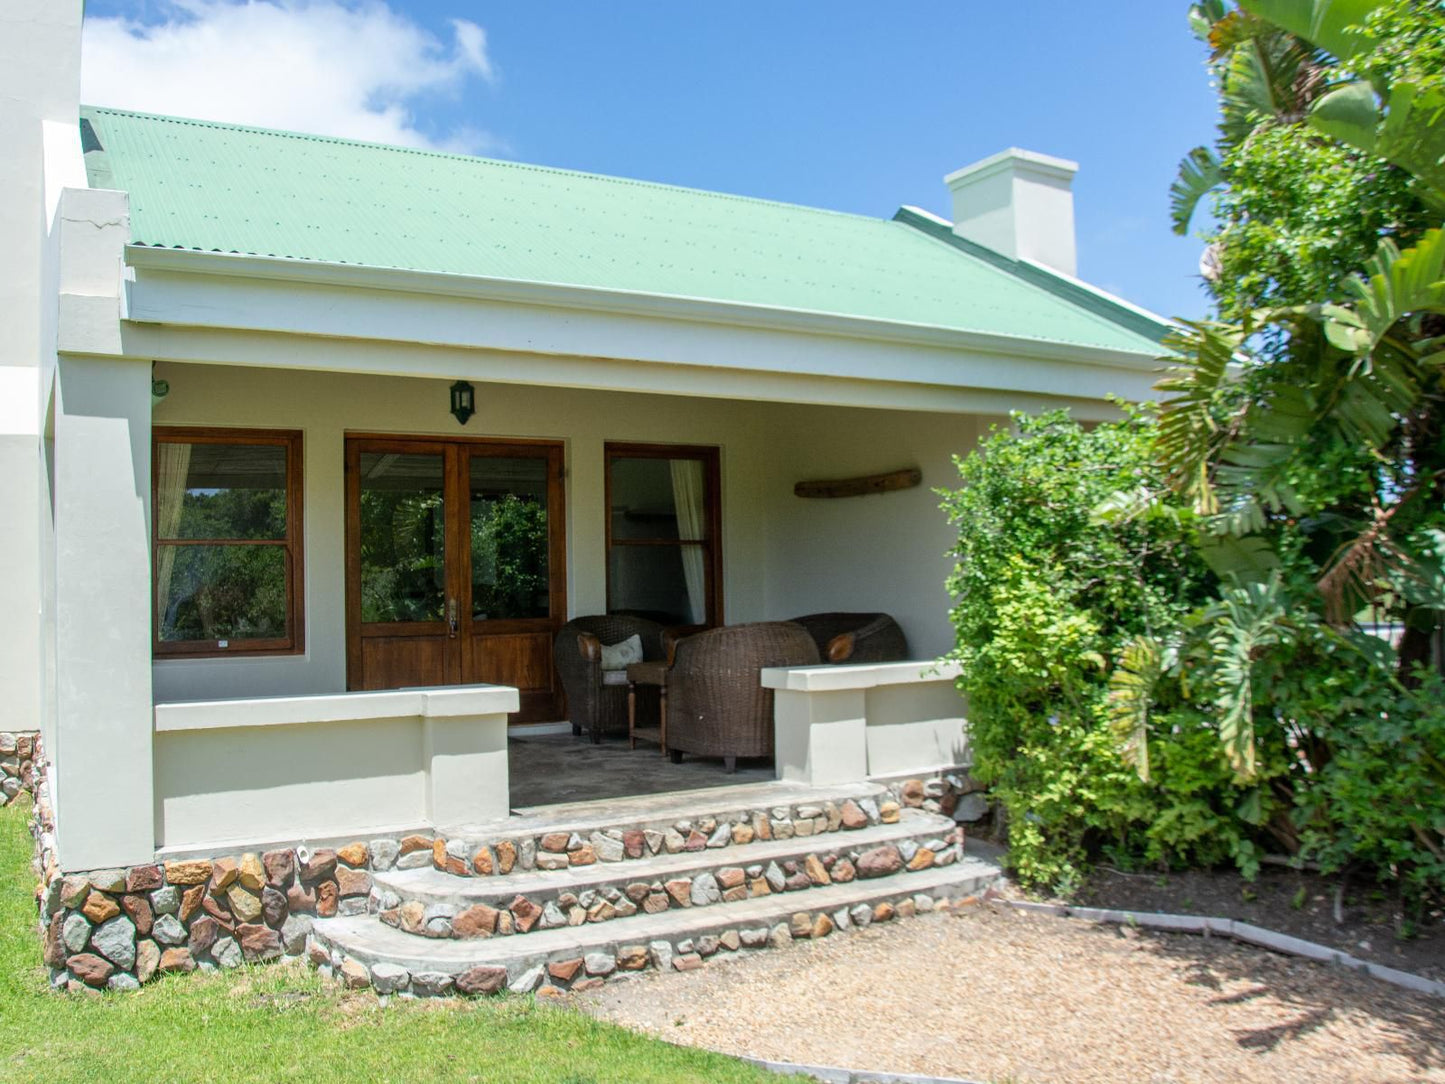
(362, 951)
(424, 901)
(660, 810)
(636, 829)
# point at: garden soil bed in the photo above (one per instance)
(1294, 902)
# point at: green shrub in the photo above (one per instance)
(1046, 599)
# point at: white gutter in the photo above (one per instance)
(591, 298)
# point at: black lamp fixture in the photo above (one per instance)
(464, 401)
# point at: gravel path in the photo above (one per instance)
(993, 994)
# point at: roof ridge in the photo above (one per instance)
(478, 159)
(1098, 305)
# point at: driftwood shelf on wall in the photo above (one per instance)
(859, 487)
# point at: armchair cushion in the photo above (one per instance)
(619, 656)
(593, 704)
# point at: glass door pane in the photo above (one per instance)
(509, 537)
(403, 536)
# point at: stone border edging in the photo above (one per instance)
(829, 1074)
(1239, 931)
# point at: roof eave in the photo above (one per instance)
(600, 299)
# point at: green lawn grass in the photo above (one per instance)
(284, 1023)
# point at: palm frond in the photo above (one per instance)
(1399, 284)
(1131, 692)
(1247, 620)
(1199, 174)
(1188, 439)
(1332, 25)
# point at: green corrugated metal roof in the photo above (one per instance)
(225, 188)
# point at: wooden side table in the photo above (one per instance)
(655, 675)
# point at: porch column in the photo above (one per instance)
(100, 502)
(820, 723)
(464, 753)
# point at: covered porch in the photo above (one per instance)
(333, 365)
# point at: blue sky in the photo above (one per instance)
(854, 106)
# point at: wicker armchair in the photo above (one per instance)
(716, 704)
(596, 701)
(843, 637)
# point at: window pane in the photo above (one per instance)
(231, 593)
(220, 491)
(509, 537)
(403, 537)
(653, 581)
(658, 499)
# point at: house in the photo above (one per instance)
(261, 391)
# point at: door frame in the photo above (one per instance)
(458, 538)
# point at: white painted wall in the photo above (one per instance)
(39, 93)
(783, 556)
(885, 552)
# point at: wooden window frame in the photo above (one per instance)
(292, 544)
(711, 458)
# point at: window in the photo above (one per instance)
(226, 541)
(664, 558)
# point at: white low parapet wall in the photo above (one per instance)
(837, 724)
(329, 767)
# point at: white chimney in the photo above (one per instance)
(1020, 204)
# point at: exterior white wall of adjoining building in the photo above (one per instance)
(782, 555)
(39, 95)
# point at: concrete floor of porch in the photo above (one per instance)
(549, 769)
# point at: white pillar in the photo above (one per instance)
(102, 612)
(464, 754)
(820, 737)
(100, 503)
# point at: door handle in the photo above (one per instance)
(451, 619)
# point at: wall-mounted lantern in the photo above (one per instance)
(159, 388)
(464, 402)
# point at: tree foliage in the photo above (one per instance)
(1294, 475)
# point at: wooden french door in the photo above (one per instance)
(455, 565)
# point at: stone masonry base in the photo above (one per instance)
(19, 753)
(120, 928)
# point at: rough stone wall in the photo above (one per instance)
(19, 757)
(954, 794)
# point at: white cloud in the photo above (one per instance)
(357, 70)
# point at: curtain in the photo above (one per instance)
(688, 499)
(172, 466)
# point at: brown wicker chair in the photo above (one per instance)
(716, 704)
(594, 703)
(844, 637)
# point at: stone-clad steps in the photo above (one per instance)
(433, 903)
(362, 951)
(636, 829)
(863, 857)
